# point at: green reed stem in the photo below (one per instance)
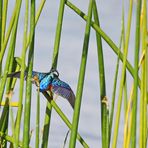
(4, 18)
(4, 123)
(54, 64)
(58, 34)
(115, 135)
(81, 78)
(104, 36)
(26, 138)
(38, 13)
(1, 7)
(13, 127)
(46, 126)
(8, 98)
(136, 61)
(12, 42)
(10, 85)
(145, 48)
(143, 95)
(37, 139)
(104, 107)
(116, 77)
(8, 109)
(9, 138)
(19, 113)
(64, 118)
(5, 42)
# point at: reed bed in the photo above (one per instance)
(110, 120)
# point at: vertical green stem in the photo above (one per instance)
(54, 64)
(46, 126)
(11, 25)
(26, 138)
(4, 18)
(116, 77)
(122, 77)
(19, 114)
(64, 118)
(81, 78)
(1, 7)
(58, 34)
(137, 48)
(37, 140)
(104, 107)
(104, 36)
(143, 93)
(12, 41)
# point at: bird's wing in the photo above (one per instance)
(63, 89)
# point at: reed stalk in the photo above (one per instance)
(64, 118)
(104, 106)
(11, 48)
(104, 36)
(81, 78)
(115, 135)
(19, 112)
(37, 138)
(136, 60)
(144, 90)
(26, 137)
(54, 65)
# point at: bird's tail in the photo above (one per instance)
(16, 74)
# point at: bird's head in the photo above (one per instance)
(54, 72)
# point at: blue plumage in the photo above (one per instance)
(50, 82)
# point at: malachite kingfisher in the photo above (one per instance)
(50, 82)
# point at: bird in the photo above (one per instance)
(49, 82)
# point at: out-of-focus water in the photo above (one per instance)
(69, 63)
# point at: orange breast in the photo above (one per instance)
(50, 87)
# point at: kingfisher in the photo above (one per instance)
(49, 82)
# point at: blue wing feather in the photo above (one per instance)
(63, 89)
